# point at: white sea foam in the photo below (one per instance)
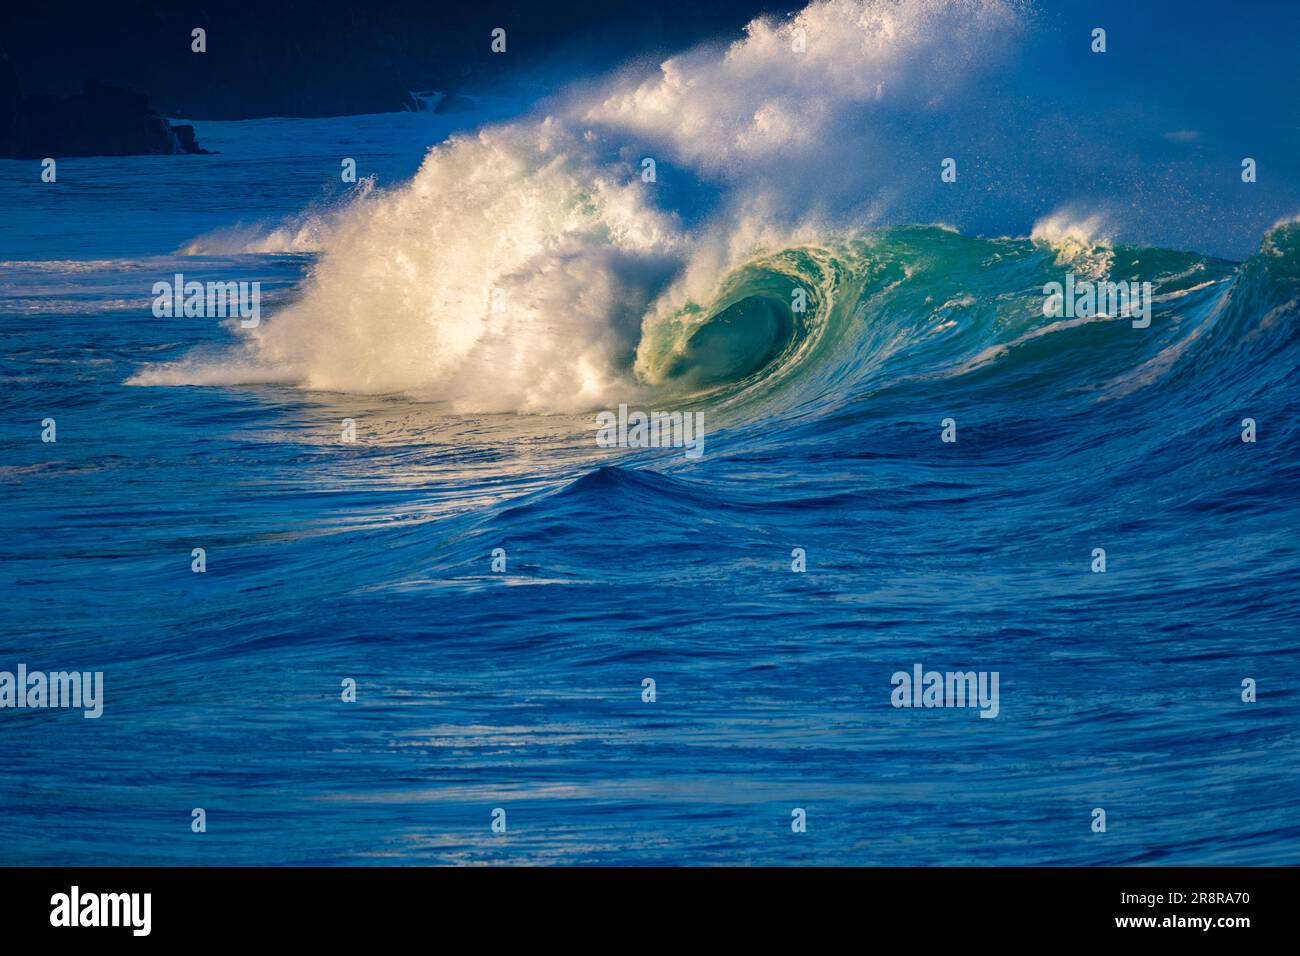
(1081, 240)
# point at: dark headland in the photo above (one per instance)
(118, 69)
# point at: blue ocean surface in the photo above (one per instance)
(827, 538)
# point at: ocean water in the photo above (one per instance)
(472, 311)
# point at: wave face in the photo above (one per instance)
(916, 319)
